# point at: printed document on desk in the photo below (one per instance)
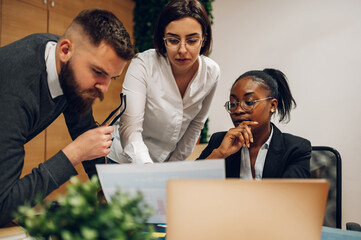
(151, 179)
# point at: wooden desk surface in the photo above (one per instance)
(196, 152)
(13, 232)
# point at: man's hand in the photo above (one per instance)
(92, 144)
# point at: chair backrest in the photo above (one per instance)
(326, 163)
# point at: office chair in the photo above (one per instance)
(353, 226)
(326, 163)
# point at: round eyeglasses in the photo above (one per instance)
(246, 105)
(175, 43)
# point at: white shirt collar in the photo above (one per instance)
(246, 172)
(268, 142)
(53, 79)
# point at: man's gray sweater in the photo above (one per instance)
(26, 109)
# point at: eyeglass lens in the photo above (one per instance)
(172, 42)
(246, 106)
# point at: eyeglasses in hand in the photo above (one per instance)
(121, 109)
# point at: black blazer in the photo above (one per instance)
(288, 156)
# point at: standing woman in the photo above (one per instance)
(255, 148)
(169, 89)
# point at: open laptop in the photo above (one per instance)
(230, 209)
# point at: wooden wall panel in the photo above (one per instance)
(34, 153)
(61, 13)
(37, 3)
(16, 25)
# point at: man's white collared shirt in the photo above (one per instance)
(53, 79)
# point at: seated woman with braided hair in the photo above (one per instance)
(255, 148)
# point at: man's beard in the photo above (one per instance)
(79, 101)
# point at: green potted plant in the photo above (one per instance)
(203, 139)
(82, 213)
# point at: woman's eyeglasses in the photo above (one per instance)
(246, 105)
(175, 43)
(121, 109)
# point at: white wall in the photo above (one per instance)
(317, 44)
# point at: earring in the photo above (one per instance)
(272, 110)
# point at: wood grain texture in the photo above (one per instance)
(20, 19)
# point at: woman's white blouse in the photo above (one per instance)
(158, 124)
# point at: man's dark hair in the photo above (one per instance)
(101, 25)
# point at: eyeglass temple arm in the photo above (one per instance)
(114, 111)
(120, 114)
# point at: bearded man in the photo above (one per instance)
(43, 76)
